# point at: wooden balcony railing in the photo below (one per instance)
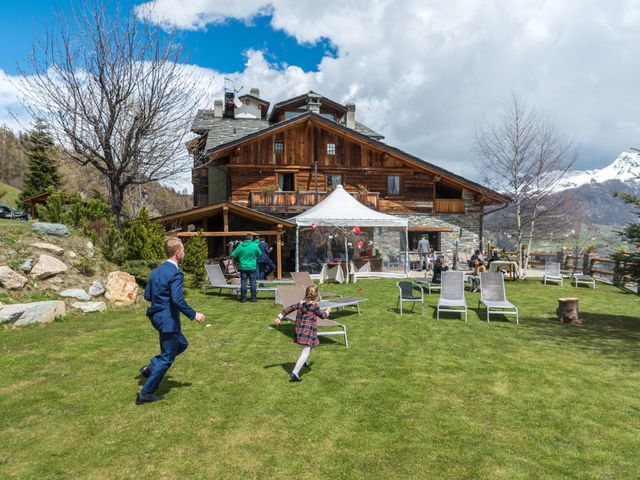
(448, 205)
(285, 202)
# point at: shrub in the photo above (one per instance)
(86, 266)
(196, 252)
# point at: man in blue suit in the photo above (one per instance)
(165, 292)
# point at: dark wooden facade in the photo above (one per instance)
(307, 149)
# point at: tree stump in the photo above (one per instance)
(568, 310)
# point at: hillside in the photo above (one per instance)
(11, 196)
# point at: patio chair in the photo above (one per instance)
(452, 295)
(430, 286)
(584, 280)
(552, 273)
(218, 281)
(493, 297)
(304, 279)
(291, 294)
(406, 295)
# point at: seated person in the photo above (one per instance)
(474, 275)
(439, 267)
(476, 256)
(495, 255)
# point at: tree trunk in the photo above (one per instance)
(568, 310)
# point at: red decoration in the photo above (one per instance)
(360, 244)
(313, 226)
(357, 230)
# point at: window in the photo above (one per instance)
(333, 181)
(278, 146)
(393, 185)
(331, 148)
(290, 115)
(286, 182)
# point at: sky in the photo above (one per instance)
(424, 73)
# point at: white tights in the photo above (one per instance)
(304, 354)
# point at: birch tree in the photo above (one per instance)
(525, 157)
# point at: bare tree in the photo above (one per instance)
(525, 157)
(115, 92)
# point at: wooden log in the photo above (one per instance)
(568, 310)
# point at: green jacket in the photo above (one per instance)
(247, 254)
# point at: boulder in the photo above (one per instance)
(11, 280)
(55, 229)
(90, 307)
(47, 266)
(122, 289)
(49, 247)
(96, 289)
(27, 265)
(90, 249)
(77, 293)
(12, 253)
(27, 313)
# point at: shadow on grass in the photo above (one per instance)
(288, 330)
(166, 385)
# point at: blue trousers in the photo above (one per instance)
(171, 345)
(251, 275)
(265, 268)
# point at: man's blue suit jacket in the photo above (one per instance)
(165, 292)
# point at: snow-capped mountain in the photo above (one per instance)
(625, 168)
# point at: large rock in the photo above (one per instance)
(55, 229)
(96, 289)
(27, 313)
(11, 280)
(122, 289)
(90, 249)
(90, 307)
(49, 247)
(77, 293)
(47, 266)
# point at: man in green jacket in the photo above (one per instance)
(247, 254)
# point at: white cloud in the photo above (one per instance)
(11, 112)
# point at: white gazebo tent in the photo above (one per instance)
(340, 209)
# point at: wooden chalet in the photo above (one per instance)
(283, 161)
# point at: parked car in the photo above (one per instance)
(12, 214)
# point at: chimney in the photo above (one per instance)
(229, 105)
(255, 92)
(217, 108)
(313, 102)
(351, 115)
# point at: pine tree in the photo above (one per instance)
(42, 168)
(195, 258)
(632, 234)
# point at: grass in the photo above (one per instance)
(410, 398)
(11, 197)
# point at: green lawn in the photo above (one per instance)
(410, 398)
(11, 197)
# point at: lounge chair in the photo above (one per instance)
(291, 294)
(493, 297)
(584, 280)
(552, 273)
(406, 295)
(218, 281)
(452, 295)
(304, 279)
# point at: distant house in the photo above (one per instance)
(283, 160)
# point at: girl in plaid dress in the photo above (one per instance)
(306, 326)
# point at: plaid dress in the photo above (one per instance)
(306, 325)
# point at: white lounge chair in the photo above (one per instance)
(291, 294)
(552, 273)
(452, 295)
(406, 295)
(304, 279)
(493, 297)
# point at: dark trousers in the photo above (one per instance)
(265, 268)
(251, 275)
(171, 345)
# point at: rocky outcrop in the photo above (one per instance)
(96, 289)
(47, 266)
(11, 280)
(49, 247)
(55, 229)
(122, 289)
(90, 307)
(77, 293)
(28, 313)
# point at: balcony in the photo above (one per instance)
(300, 201)
(448, 205)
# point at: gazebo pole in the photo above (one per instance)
(346, 256)
(406, 250)
(297, 248)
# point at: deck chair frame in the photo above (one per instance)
(305, 280)
(493, 296)
(452, 295)
(414, 300)
(584, 280)
(216, 277)
(552, 273)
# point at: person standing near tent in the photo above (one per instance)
(247, 253)
(424, 249)
(265, 264)
(306, 326)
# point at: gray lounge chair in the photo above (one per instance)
(452, 295)
(493, 297)
(406, 295)
(552, 273)
(584, 280)
(291, 294)
(304, 279)
(218, 281)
